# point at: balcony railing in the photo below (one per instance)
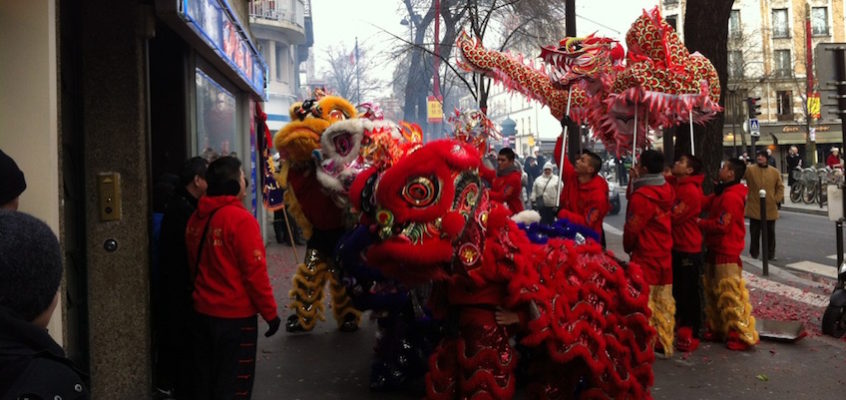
(275, 10)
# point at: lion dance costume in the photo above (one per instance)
(321, 220)
(581, 309)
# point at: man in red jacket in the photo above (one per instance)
(727, 308)
(686, 180)
(226, 255)
(647, 237)
(584, 196)
(507, 185)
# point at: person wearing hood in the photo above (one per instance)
(647, 237)
(763, 176)
(686, 179)
(544, 191)
(584, 193)
(12, 183)
(728, 313)
(226, 255)
(507, 185)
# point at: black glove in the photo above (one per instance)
(272, 326)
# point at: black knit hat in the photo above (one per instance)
(12, 182)
(30, 264)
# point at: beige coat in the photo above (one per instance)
(769, 179)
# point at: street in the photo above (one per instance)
(328, 364)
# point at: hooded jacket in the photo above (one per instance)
(723, 227)
(647, 234)
(687, 237)
(231, 280)
(582, 203)
(506, 187)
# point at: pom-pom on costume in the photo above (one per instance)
(585, 312)
(728, 312)
(321, 220)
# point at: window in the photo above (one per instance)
(780, 25)
(264, 46)
(782, 63)
(735, 64)
(734, 24)
(282, 62)
(784, 105)
(216, 125)
(671, 2)
(671, 20)
(819, 21)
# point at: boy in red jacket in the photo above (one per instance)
(727, 308)
(686, 180)
(226, 255)
(584, 197)
(506, 187)
(647, 237)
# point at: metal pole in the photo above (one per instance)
(765, 251)
(839, 231)
(734, 112)
(840, 68)
(573, 141)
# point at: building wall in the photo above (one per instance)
(29, 109)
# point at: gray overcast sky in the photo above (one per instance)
(339, 22)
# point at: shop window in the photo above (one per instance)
(734, 25)
(735, 64)
(216, 122)
(784, 105)
(780, 24)
(819, 21)
(782, 63)
(282, 56)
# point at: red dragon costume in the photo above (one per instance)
(582, 310)
(321, 220)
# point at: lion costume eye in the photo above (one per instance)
(337, 115)
(343, 143)
(420, 191)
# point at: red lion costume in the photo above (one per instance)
(577, 305)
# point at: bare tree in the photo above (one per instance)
(348, 74)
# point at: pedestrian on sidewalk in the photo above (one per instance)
(728, 313)
(833, 160)
(544, 191)
(763, 176)
(227, 255)
(647, 237)
(794, 160)
(686, 179)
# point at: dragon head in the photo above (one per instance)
(590, 60)
(429, 205)
(297, 140)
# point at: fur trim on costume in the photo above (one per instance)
(526, 217)
(663, 319)
(341, 301)
(736, 310)
(307, 290)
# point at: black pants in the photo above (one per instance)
(547, 214)
(755, 232)
(687, 289)
(224, 357)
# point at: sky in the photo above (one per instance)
(339, 22)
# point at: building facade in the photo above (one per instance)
(283, 32)
(767, 59)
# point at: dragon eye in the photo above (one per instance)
(420, 191)
(337, 115)
(343, 143)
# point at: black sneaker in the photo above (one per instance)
(349, 324)
(293, 324)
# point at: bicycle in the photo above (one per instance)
(798, 187)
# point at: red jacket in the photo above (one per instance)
(647, 234)
(506, 189)
(582, 203)
(687, 237)
(232, 280)
(724, 227)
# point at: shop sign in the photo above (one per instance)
(218, 26)
(434, 110)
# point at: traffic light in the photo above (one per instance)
(753, 105)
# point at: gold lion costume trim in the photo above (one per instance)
(663, 319)
(727, 306)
